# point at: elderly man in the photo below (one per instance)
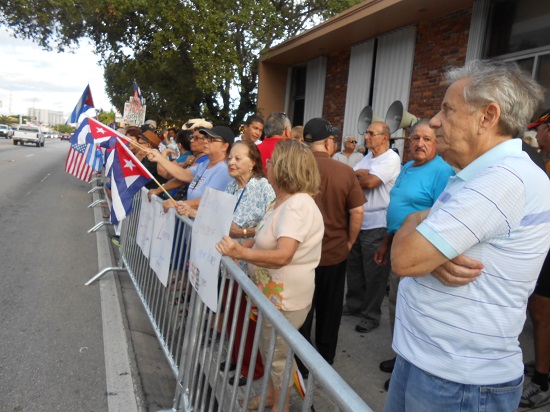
(367, 281)
(472, 260)
(340, 201)
(349, 156)
(277, 127)
(419, 184)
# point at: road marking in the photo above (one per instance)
(45, 177)
(30, 155)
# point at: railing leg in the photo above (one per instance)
(100, 224)
(97, 202)
(105, 271)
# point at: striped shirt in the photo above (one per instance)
(497, 211)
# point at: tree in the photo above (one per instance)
(106, 117)
(189, 56)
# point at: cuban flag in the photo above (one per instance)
(128, 176)
(98, 137)
(84, 104)
(138, 99)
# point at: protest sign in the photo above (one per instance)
(213, 221)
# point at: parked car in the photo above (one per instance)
(28, 134)
(6, 131)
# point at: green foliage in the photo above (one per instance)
(188, 56)
(8, 119)
(63, 128)
(106, 117)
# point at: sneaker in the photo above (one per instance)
(364, 327)
(533, 396)
(116, 240)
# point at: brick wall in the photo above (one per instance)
(439, 43)
(336, 85)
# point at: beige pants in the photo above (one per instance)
(296, 319)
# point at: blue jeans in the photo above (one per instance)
(413, 390)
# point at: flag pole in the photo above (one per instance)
(145, 148)
(163, 189)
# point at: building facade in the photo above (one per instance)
(381, 51)
(45, 117)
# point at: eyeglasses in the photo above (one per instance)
(372, 134)
(213, 139)
(197, 138)
(352, 141)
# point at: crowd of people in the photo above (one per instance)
(459, 235)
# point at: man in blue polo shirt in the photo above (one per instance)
(472, 260)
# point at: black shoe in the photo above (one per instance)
(232, 367)
(115, 240)
(387, 366)
(364, 327)
(387, 385)
(242, 380)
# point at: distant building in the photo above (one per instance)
(45, 117)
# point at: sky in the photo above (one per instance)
(32, 77)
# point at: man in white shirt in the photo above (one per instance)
(366, 280)
(472, 260)
(349, 156)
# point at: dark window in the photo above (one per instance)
(298, 95)
(516, 26)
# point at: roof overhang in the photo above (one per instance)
(357, 24)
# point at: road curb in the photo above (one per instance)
(124, 390)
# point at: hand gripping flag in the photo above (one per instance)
(128, 176)
(84, 104)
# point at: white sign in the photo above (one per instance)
(155, 235)
(145, 224)
(211, 224)
(134, 115)
(162, 241)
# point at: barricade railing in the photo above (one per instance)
(196, 341)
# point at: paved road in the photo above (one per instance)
(51, 352)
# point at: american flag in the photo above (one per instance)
(77, 164)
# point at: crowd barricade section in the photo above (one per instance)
(196, 341)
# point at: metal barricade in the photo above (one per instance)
(196, 340)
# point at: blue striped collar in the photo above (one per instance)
(504, 149)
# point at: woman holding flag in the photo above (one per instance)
(211, 173)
